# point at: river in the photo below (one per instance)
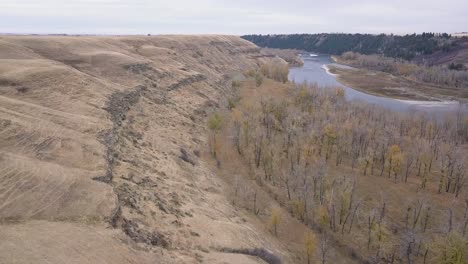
(314, 70)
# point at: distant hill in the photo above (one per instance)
(406, 47)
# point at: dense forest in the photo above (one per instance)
(406, 47)
(388, 187)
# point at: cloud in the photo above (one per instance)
(231, 17)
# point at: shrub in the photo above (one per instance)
(349, 55)
(276, 71)
(456, 67)
(236, 84)
(298, 209)
(250, 73)
(340, 92)
(215, 122)
(258, 79)
(231, 103)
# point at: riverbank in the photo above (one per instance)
(397, 87)
(317, 70)
(387, 85)
(326, 68)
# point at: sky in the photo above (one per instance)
(235, 17)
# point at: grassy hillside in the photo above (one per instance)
(100, 139)
(196, 149)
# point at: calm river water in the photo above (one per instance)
(314, 71)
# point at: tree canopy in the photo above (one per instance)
(406, 47)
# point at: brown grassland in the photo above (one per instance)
(100, 139)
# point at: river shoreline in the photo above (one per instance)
(397, 87)
(325, 71)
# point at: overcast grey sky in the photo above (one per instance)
(232, 17)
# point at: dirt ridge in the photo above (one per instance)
(118, 105)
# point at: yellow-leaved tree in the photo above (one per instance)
(310, 243)
(275, 220)
(451, 249)
(395, 161)
(215, 123)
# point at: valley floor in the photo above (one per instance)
(387, 85)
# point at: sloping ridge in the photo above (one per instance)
(91, 134)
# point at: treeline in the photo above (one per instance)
(310, 148)
(439, 75)
(406, 47)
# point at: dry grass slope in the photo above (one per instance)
(91, 134)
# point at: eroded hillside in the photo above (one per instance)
(100, 139)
